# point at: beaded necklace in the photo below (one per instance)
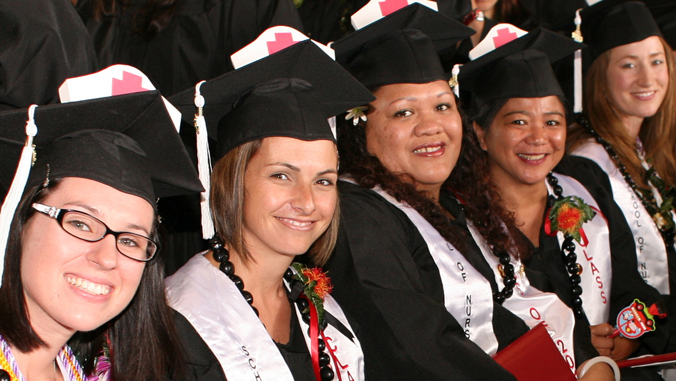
(567, 248)
(9, 369)
(506, 270)
(667, 230)
(320, 359)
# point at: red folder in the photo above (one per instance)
(535, 357)
(665, 360)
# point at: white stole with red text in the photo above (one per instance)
(228, 325)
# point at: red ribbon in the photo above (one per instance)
(314, 338)
(548, 224)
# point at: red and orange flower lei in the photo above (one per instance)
(568, 214)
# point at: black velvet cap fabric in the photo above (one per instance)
(518, 69)
(289, 93)
(288, 107)
(664, 13)
(611, 23)
(401, 47)
(456, 9)
(127, 142)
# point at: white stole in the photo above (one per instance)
(532, 305)
(650, 249)
(467, 294)
(594, 257)
(228, 325)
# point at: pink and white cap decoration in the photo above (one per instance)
(270, 42)
(377, 9)
(499, 35)
(111, 81)
(496, 37)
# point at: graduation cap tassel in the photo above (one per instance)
(577, 36)
(18, 185)
(203, 164)
(453, 82)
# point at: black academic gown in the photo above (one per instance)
(41, 45)
(385, 277)
(196, 44)
(627, 283)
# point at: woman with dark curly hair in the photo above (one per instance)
(407, 264)
(572, 226)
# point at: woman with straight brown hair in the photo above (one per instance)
(247, 309)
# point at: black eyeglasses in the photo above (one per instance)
(88, 228)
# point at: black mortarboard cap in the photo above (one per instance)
(127, 142)
(664, 13)
(456, 9)
(519, 69)
(612, 23)
(289, 93)
(401, 47)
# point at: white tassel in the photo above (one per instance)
(18, 185)
(453, 82)
(577, 74)
(203, 164)
(577, 105)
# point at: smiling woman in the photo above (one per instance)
(420, 131)
(79, 264)
(628, 130)
(570, 226)
(273, 198)
(421, 279)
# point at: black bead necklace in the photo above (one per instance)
(667, 234)
(506, 270)
(567, 249)
(222, 256)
